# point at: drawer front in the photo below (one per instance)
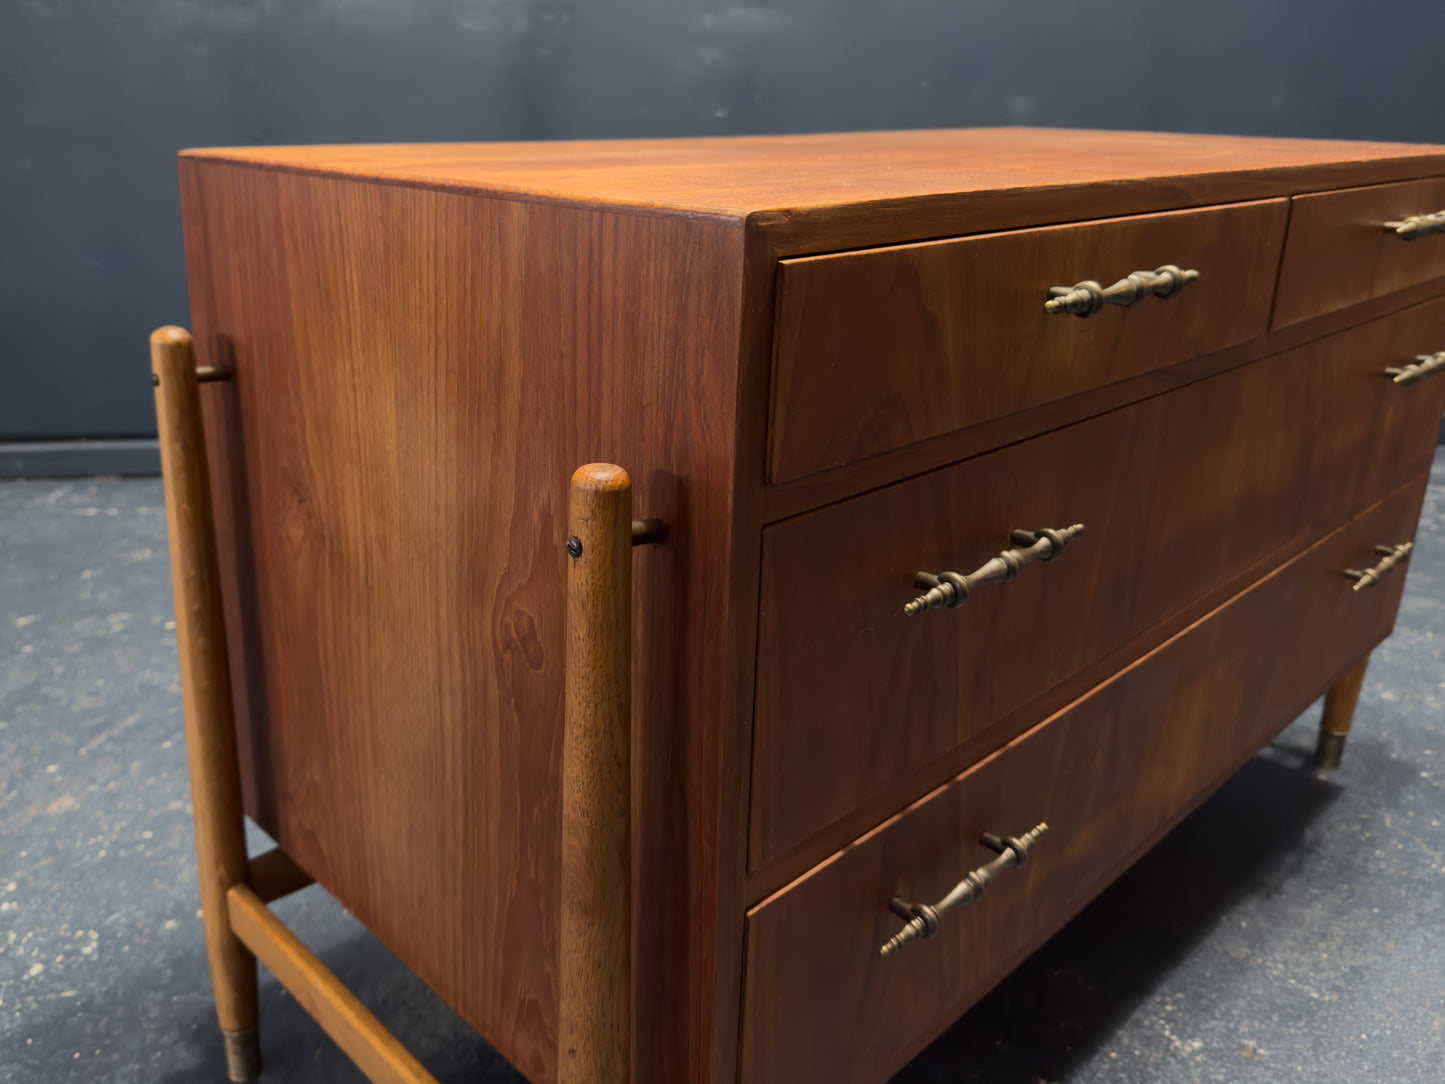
(1339, 251)
(879, 349)
(1185, 497)
(1109, 775)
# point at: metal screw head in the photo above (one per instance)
(574, 546)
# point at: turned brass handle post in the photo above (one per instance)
(1088, 298)
(205, 374)
(1417, 226)
(1424, 365)
(949, 589)
(923, 919)
(1390, 557)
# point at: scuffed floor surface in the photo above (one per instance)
(1291, 929)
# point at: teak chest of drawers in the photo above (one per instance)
(1155, 407)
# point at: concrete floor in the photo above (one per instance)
(1292, 929)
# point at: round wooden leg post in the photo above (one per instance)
(1340, 704)
(595, 989)
(205, 692)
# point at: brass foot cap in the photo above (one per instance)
(243, 1055)
(1330, 751)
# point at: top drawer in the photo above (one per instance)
(1340, 252)
(879, 349)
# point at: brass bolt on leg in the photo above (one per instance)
(243, 1055)
(1339, 713)
(1330, 751)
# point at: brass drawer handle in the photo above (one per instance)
(1368, 577)
(951, 590)
(1417, 226)
(923, 920)
(1088, 297)
(1424, 365)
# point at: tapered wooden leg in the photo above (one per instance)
(205, 692)
(1340, 704)
(595, 995)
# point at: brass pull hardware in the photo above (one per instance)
(1088, 297)
(1368, 577)
(1417, 226)
(951, 590)
(923, 920)
(1423, 366)
(644, 533)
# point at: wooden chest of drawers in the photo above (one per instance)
(830, 364)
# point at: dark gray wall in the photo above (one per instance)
(98, 95)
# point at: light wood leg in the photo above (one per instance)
(1340, 704)
(205, 692)
(595, 989)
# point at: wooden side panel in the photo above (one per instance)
(1339, 253)
(1110, 775)
(880, 349)
(1185, 498)
(417, 374)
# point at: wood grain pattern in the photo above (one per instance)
(816, 193)
(1186, 497)
(789, 499)
(1110, 774)
(417, 373)
(595, 944)
(426, 340)
(205, 689)
(1339, 253)
(880, 349)
(376, 1051)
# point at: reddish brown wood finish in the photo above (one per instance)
(1186, 497)
(877, 350)
(1339, 252)
(416, 374)
(788, 499)
(822, 193)
(1110, 774)
(426, 341)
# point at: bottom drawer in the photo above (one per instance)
(1110, 774)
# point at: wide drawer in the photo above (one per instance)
(1185, 497)
(1340, 252)
(882, 348)
(1109, 775)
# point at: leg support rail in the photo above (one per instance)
(275, 874)
(376, 1051)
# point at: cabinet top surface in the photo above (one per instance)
(745, 175)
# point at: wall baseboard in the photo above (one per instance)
(86, 458)
(78, 458)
